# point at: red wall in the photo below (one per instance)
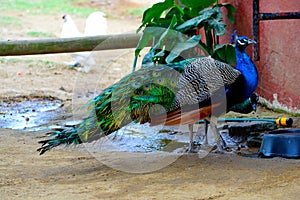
(279, 41)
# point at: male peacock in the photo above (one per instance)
(166, 95)
(249, 105)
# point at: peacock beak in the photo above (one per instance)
(251, 41)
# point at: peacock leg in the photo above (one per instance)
(191, 144)
(206, 122)
(220, 142)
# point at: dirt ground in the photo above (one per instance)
(74, 173)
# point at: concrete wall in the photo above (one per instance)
(279, 40)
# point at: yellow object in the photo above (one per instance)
(282, 121)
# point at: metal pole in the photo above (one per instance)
(255, 27)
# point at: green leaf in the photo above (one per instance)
(207, 12)
(225, 53)
(168, 34)
(215, 21)
(219, 27)
(193, 23)
(176, 10)
(200, 4)
(155, 12)
(217, 13)
(230, 11)
(148, 34)
(182, 46)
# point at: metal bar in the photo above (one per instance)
(281, 15)
(64, 45)
(257, 16)
(255, 29)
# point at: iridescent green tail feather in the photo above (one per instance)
(125, 101)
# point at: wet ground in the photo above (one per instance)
(27, 113)
(33, 113)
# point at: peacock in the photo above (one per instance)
(167, 94)
(248, 106)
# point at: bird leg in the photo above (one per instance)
(191, 144)
(205, 131)
(220, 142)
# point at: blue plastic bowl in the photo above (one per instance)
(281, 143)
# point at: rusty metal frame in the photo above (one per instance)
(258, 16)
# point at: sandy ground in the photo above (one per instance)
(74, 173)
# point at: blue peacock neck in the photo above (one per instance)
(246, 66)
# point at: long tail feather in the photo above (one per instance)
(67, 136)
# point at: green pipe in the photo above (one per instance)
(279, 121)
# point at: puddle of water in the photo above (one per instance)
(142, 138)
(23, 113)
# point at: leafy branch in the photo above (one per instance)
(175, 28)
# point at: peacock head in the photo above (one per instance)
(242, 42)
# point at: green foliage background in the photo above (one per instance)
(174, 29)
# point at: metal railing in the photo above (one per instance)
(258, 16)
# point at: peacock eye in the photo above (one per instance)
(242, 41)
(136, 84)
(109, 91)
(145, 76)
(160, 81)
(147, 86)
(156, 74)
(173, 83)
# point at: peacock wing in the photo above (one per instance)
(201, 87)
(203, 78)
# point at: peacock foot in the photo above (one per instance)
(195, 147)
(192, 149)
(221, 149)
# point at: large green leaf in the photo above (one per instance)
(219, 27)
(182, 46)
(217, 13)
(225, 53)
(163, 37)
(198, 3)
(168, 35)
(175, 10)
(155, 12)
(148, 34)
(230, 11)
(193, 23)
(215, 20)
